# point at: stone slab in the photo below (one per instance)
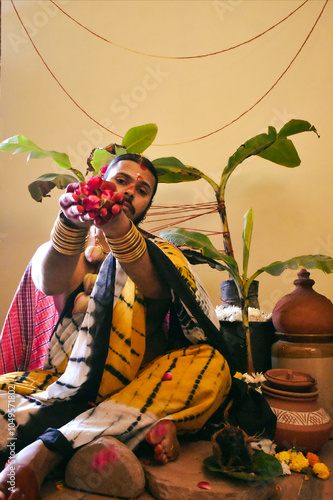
(179, 480)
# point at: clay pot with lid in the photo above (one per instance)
(301, 421)
(304, 315)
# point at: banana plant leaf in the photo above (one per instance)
(198, 241)
(247, 237)
(138, 139)
(322, 262)
(296, 127)
(41, 187)
(171, 170)
(251, 147)
(272, 146)
(195, 257)
(21, 144)
(189, 241)
(282, 152)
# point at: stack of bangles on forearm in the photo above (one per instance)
(68, 240)
(129, 247)
(71, 241)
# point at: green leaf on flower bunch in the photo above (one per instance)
(100, 157)
(120, 150)
(198, 241)
(138, 139)
(322, 262)
(265, 467)
(41, 187)
(172, 170)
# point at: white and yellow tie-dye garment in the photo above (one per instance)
(93, 382)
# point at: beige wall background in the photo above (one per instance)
(119, 85)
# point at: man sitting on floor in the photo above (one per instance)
(112, 368)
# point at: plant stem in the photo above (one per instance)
(246, 326)
(226, 233)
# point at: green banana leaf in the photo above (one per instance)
(296, 127)
(322, 262)
(247, 237)
(21, 144)
(193, 240)
(251, 147)
(41, 187)
(171, 170)
(272, 146)
(195, 257)
(198, 241)
(282, 152)
(138, 139)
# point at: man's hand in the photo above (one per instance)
(72, 210)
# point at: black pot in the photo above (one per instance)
(230, 297)
(262, 335)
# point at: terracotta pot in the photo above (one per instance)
(314, 358)
(301, 421)
(304, 315)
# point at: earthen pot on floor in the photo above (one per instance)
(301, 421)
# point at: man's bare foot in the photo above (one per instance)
(163, 437)
(21, 478)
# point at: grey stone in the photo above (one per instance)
(123, 477)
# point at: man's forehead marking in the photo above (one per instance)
(139, 177)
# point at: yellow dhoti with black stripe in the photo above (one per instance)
(94, 382)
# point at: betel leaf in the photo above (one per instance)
(198, 241)
(265, 467)
(282, 152)
(138, 139)
(41, 187)
(172, 170)
(296, 127)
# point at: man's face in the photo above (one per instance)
(137, 183)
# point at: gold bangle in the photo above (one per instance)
(129, 247)
(68, 240)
